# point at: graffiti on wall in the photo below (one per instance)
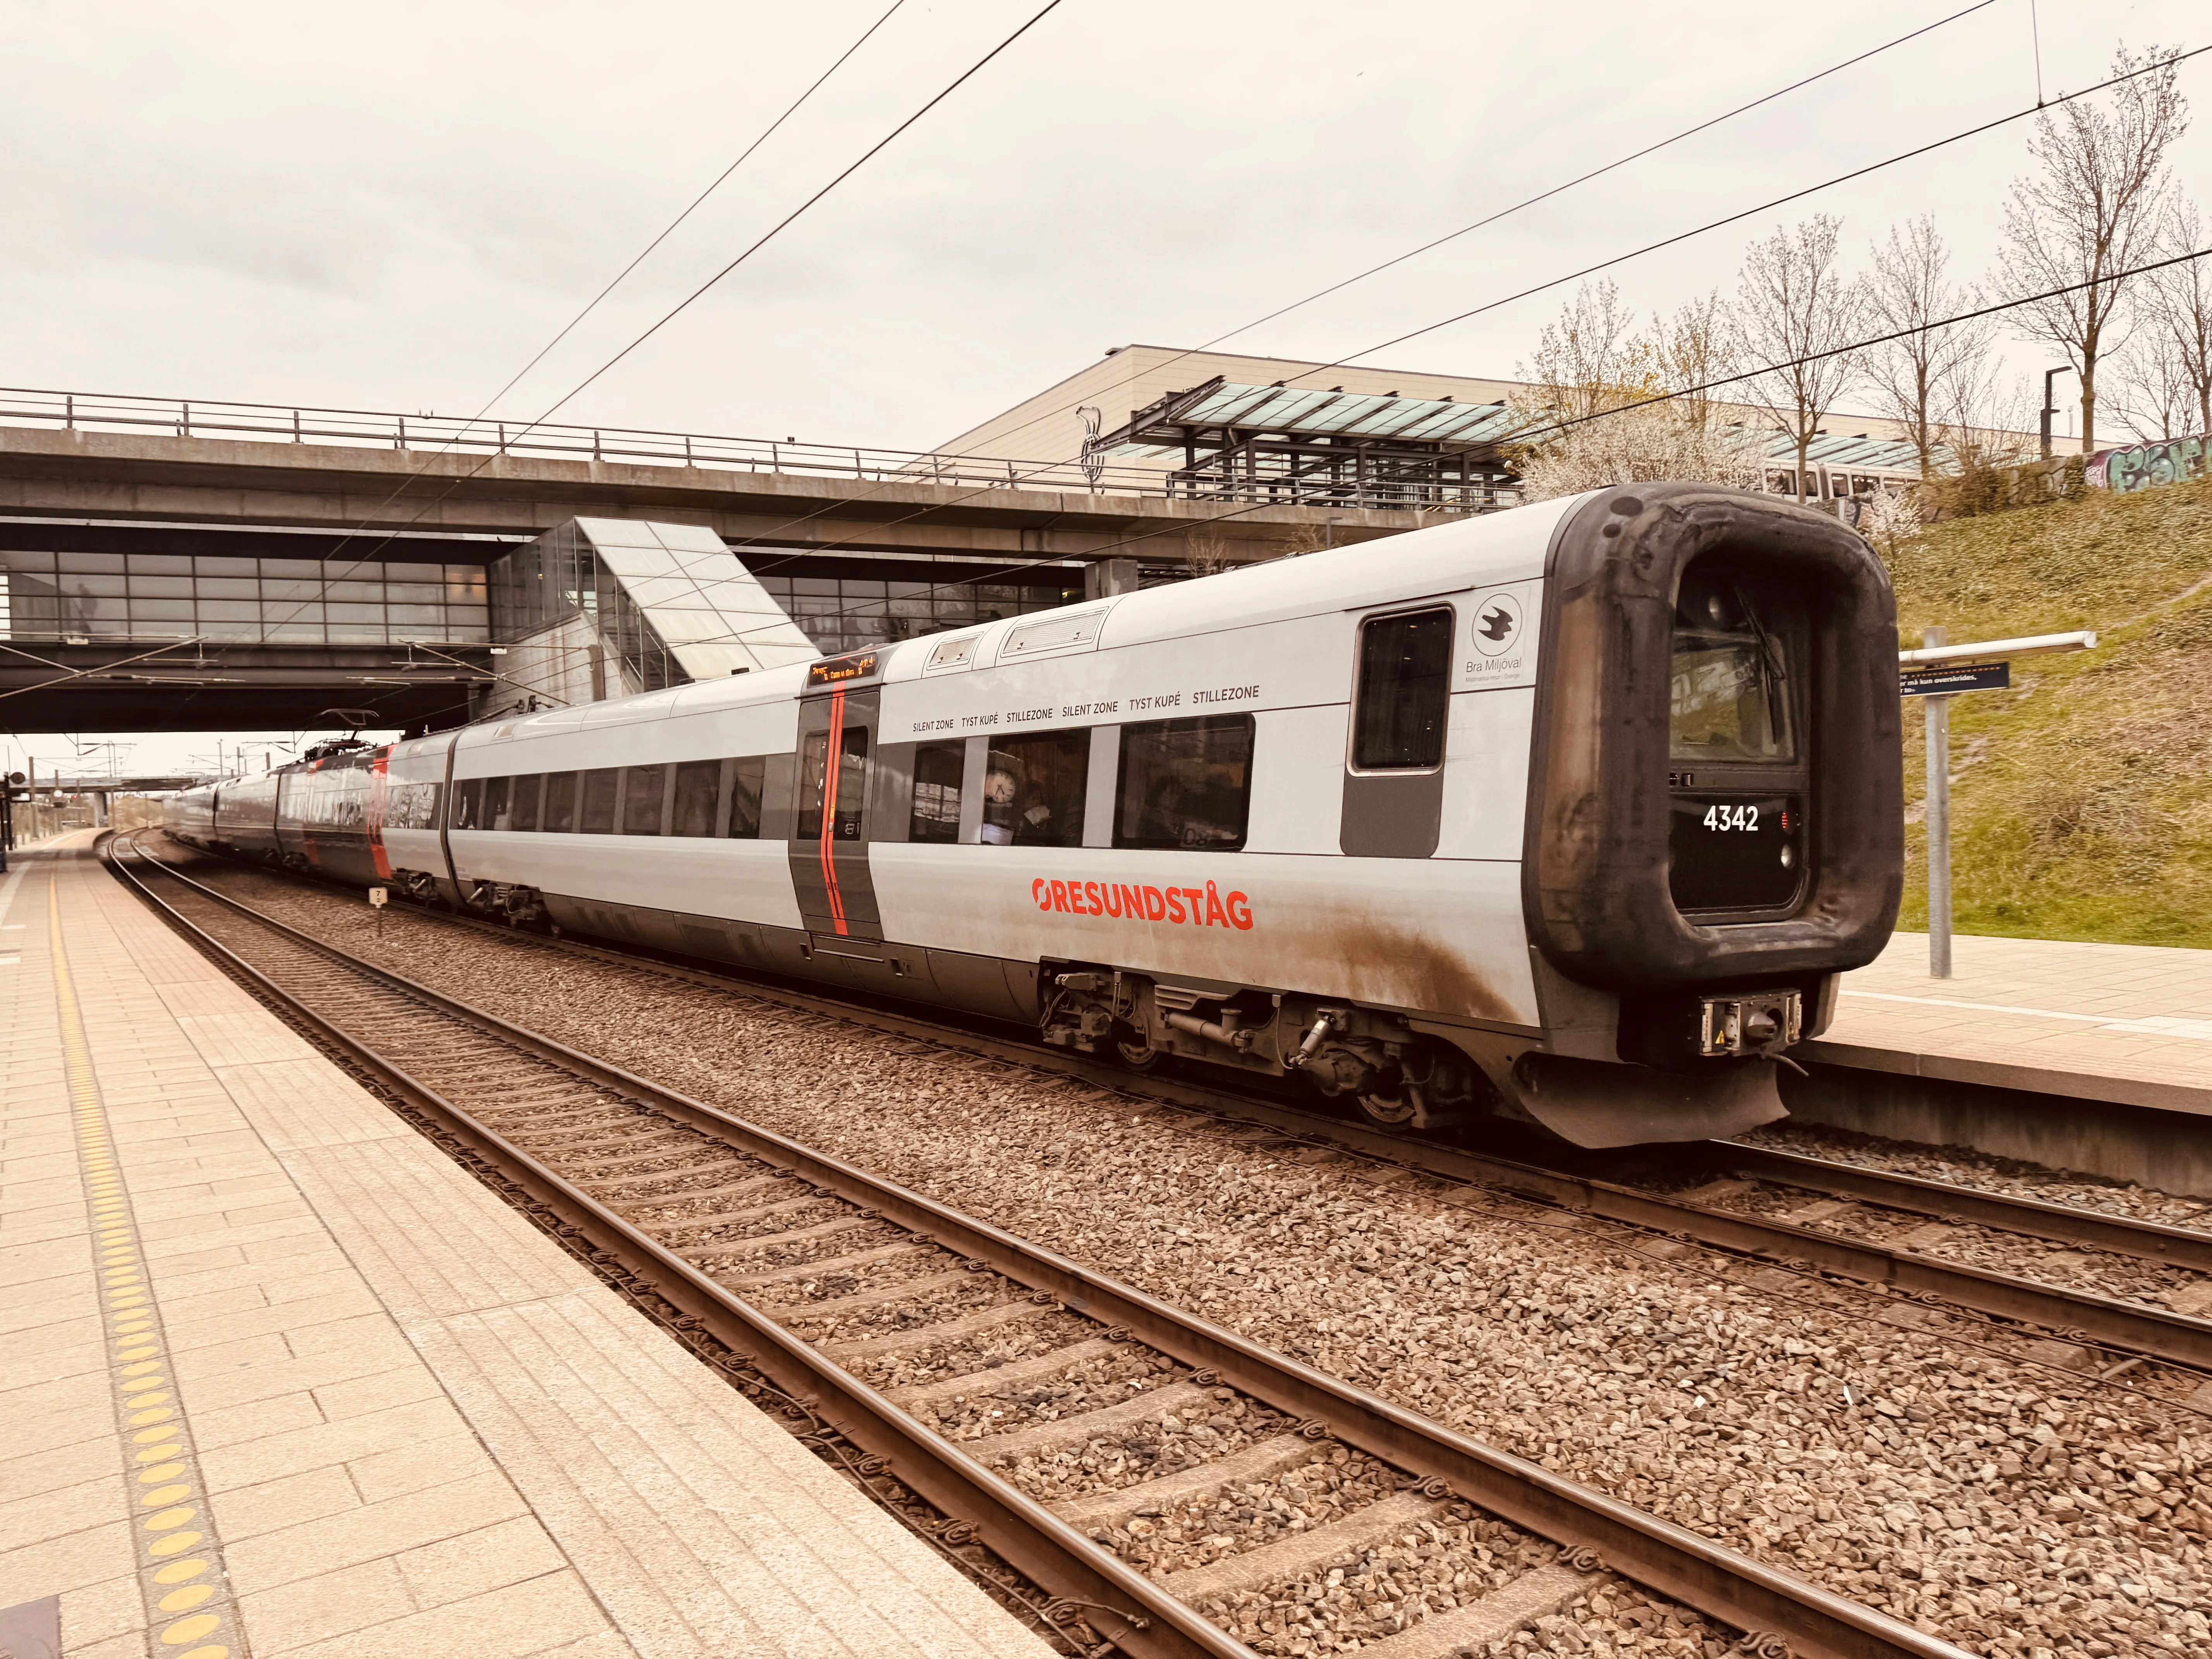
(2124, 470)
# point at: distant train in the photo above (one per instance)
(1572, 813)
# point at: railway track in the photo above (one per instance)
(1841, 1224)
(823, 1283)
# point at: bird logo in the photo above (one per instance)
(1496, 624)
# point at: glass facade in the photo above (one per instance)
(670, 602)
(841, 613)
(148, 596)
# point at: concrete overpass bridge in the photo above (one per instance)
(281, 562)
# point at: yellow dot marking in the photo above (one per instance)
(184, 1600)
(148, 1437)
(191, 1630)
(159, 1414)
(159, 1397)
(175, 1544)
(156, 1454)
(213, 1651)
(170, 1520)
(165, 1495)
(142, 1367)
(160, 1472)
(177, 1571)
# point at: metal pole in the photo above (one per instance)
(1938, 711)
(2049, 376)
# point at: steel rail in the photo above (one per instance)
(2131, 1329)
(1722, 1583)
(1022, 1532)
(2065, 1224)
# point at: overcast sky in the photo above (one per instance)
(393, 208)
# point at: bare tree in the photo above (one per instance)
(1913, 375)
(1663, 443)
(2150, 395)
(1692, 348)
(1592, 368)
(1795, 310)
(2090, 210)
(1589, 359)
(2176, 304)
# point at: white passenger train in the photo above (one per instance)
(1573, 812)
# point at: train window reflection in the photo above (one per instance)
(468, 804)
(1033, 790)
(1405, 692)
(522, 804)
(745, 775)
(843, 773)
(560, 812)
(1729, 700)
(1185, 784)
(937, 769)
(595, 811)
(641, 799)
(698, 790)
(496, 815)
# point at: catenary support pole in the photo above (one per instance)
(1938, 711)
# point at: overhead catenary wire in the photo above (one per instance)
(619, 278)
(689, 300)
(1528, 434)
(1435, 242)
(1526, 293)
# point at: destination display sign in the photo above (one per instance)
(842, 670)
(1941, 679)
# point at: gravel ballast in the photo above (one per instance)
(2009, 1509)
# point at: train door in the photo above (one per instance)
(1393, 781)
(829, 871)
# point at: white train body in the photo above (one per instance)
(1390, 815)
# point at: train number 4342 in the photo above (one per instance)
(1731, 817)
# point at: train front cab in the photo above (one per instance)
(1715, 820)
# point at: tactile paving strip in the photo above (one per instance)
(190, 1611)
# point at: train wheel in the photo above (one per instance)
(1388, 1113)
(1140, 1056)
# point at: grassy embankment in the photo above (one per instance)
(2082, 798)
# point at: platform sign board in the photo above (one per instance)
(1944, 678)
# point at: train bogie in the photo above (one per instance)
(1571, 813)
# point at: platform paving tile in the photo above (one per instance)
(2061, 1005)
(423, 1428)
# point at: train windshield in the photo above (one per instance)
(1730, 698)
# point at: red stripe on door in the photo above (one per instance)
(829, 812)
(379, 782)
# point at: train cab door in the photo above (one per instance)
(1394, 777)
(838, 728)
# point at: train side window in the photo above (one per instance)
(496, 815)
(559, 813)
(522, 804)
(746, 774)
(698, 791)
(1033, 790)
(641, 801)
(1185, 784)
(1405, 692)
(937, 769)
(468, 804)
(595, 811)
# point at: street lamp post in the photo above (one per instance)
(2048, 408)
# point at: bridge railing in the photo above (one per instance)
(431, 434)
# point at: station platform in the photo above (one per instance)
(2095, 1058)
(2129, 1024)
(278, 1377)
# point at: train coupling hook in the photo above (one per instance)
(1329, 1020)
